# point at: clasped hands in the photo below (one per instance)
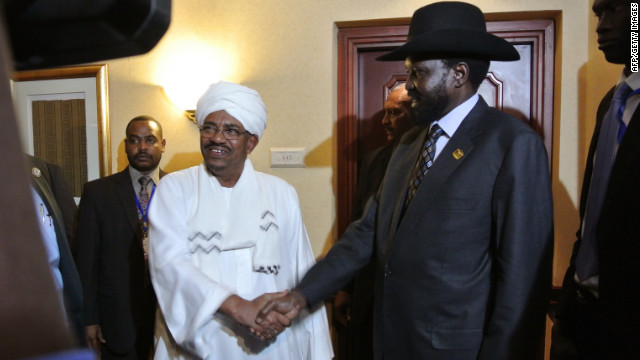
(267, 315)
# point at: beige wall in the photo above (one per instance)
(286, 49)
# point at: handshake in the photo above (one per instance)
(267, 315)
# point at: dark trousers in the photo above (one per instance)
(584, 326)
(143, 348)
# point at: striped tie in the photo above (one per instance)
(425, 162)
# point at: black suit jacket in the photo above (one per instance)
(49, 183)
(359, 332)
(465, 273)
(117, 289)
(618, 241)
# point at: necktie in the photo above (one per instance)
(143, 194)
(425, 162)
(143, 202)
(587, 259)
(625, 93)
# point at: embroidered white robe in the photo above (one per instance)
(192, 283)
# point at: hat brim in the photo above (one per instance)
(448, 43)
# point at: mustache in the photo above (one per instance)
(142, 155)
(212, 144)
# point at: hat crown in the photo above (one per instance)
(451, 29)
(437, 16)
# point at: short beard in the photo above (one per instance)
(432, 106)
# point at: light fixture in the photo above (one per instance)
(184, 97)
(187, 70)
(191, 115)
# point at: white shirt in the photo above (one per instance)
(50, 240)
(452, 120)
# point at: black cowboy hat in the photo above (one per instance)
(451, 29)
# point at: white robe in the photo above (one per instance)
(190, 288)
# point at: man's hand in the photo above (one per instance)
(93, 334)
(342, 308)
(245, 312)
(289, 305)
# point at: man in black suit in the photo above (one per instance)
(463, 232)
(57, 209)
(353, 307)
(598, 315)
(397, 119)
(119, 301)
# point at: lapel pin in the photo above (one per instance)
(458, 154)
(36, 172)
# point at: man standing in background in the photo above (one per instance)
(353, 307)
(598, 315)
(398, 118)
(120, 304)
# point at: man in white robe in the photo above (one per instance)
(223, 234)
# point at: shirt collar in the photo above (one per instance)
(632, 80)
(154, 175)
(452, 120)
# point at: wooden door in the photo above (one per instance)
(522, 88)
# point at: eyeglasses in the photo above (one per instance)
(229, 133)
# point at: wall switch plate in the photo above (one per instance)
(287, 157)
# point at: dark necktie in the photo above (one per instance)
(587, 259)
(425, 162)
(143, 201)
(143, 194)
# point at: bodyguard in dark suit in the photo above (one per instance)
(48, 182)
(353, 307)
(598, 314)
(120, 304)
(463, 252)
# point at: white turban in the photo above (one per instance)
(244, 104)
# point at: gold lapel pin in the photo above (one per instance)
(458, 154)
(36, 172)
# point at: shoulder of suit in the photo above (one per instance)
(500, 120)
(603, 107)
(39, 169)
(412, 134)
(110, 179)
(371, 155)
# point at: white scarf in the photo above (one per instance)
(251, 222)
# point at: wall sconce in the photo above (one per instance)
(184, 98)
(187, 70)
(191, 115)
